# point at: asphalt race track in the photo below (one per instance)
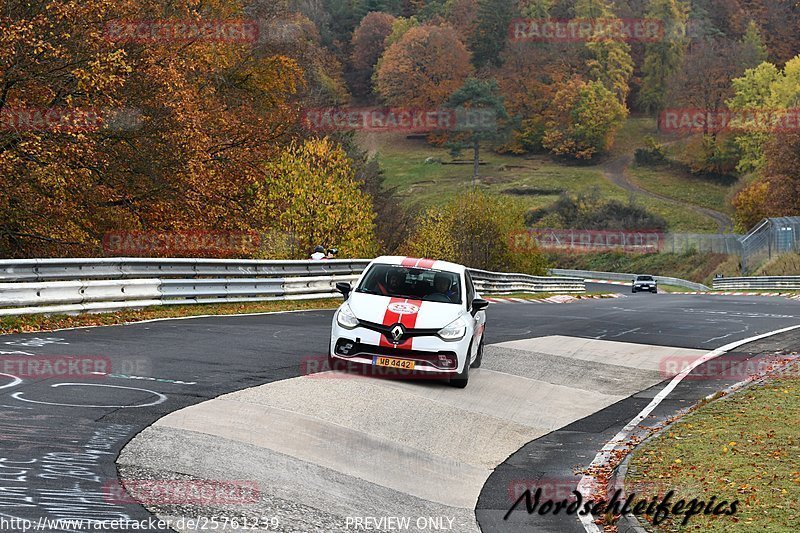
(558, 381)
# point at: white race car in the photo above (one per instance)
(418, 316)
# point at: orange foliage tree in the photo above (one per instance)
(181, 129)
(423, 68)
(368, 46)
(777, 192)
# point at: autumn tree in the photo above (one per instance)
(368, 46)
(423, 68)
(536, 9)
(782, 174)
(481, 117)
(463, 16)
(776, 193)
(583, 119)
(768, 91)
(609, 59)
(664, 56)
(491, 31)
(529, 76)
(703, 84)
(310, 192)
(754, 51)
(400, 27)
(779, 24)
(750, 206)
(528, 80)
(183, 125)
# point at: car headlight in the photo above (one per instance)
(346, 318)
(454, 331)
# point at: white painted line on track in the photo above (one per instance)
(587, 483)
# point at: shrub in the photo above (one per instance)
(476, 229)
(588, 211)
(652, 154)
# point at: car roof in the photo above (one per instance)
(426, 263)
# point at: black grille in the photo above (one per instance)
(370, 350)
(387, 331)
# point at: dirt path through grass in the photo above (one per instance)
(615, 171)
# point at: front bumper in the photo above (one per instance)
(431, 355)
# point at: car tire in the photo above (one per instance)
(479, 357)
(633, 291)
(461, 379)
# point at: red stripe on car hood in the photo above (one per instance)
(409, 320)
(411, 262)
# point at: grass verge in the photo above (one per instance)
(744, 447)
(672, 288)
(32, 323)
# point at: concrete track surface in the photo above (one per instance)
(228, 398)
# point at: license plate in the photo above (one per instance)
(391, 362)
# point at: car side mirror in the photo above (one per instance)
(479, 304)
(344, 288)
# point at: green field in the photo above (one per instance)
(691, 189)
(539, 180)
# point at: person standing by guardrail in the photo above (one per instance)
(318, 254)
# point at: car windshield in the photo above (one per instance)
(413, 283)
(644, 278)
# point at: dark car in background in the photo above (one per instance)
(644, 283)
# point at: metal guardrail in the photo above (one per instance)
(32, 286)
(497, 283)
(140, 268)
(616, 276)
(758, 283)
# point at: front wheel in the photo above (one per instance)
(461, 379)
(479, 357)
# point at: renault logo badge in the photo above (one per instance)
(397, 333)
